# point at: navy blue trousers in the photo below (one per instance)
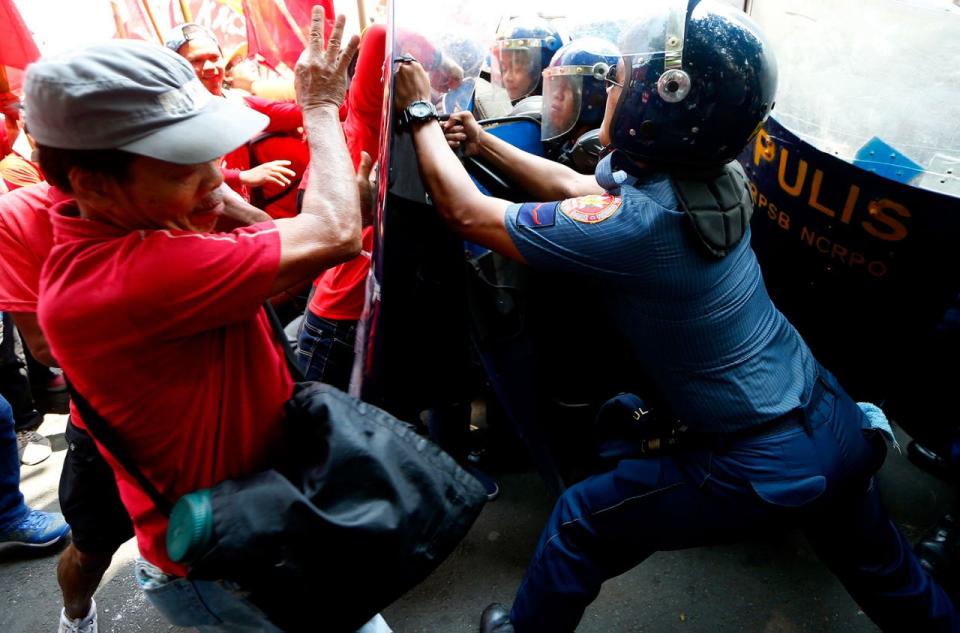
(817, 476)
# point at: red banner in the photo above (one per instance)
(17, 47)
(278, 29)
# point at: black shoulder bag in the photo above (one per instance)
(365, 510)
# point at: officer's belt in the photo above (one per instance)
(799, 416)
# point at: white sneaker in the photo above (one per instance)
(80, 625)
(33, 447)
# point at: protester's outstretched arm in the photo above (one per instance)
(327, 231)
(276, 171)
(543, 178)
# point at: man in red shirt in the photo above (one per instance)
(16, 170)
(88, 491)
(157, 322)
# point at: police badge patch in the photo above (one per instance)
(591, 209)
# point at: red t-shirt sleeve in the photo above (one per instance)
(26, 238)
(19, 271)
(365, 98)
(284, 115)
(341, 290)
(180, 283)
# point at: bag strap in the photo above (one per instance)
(281, 338)
(103, 433)
(257, 198)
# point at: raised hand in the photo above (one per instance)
(320, 76)
(275, 171)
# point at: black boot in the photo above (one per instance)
(939, 551)
(495, 619)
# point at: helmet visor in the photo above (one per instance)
(655, 30)
(562, 98)
(516, 66)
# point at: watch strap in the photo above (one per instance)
(406, 118)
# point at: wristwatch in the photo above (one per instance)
(418, 111)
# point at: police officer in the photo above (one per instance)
(523, 48)
(574, 100)
(773, 440)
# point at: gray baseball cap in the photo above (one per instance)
(134, 96)
(187, 32)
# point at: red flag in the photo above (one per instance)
(11, 80)
(278, 29)
(17, 47)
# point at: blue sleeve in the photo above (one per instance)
(591, 235)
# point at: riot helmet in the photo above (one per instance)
(574, 89)
(523, 48)
(696, 81)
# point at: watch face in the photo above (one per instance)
(420, 109)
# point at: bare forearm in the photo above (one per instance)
(449, 184)
(331, 192)
(238, 212)
(543, 178)
(327, 230)
(461, 205)
(290, 294)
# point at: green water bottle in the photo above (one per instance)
(190, 532)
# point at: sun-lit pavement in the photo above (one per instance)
(772, 586)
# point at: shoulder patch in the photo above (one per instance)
(535, 215)
(591, 209)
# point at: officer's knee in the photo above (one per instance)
(570, 506)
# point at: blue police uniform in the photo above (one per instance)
(726, 360)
